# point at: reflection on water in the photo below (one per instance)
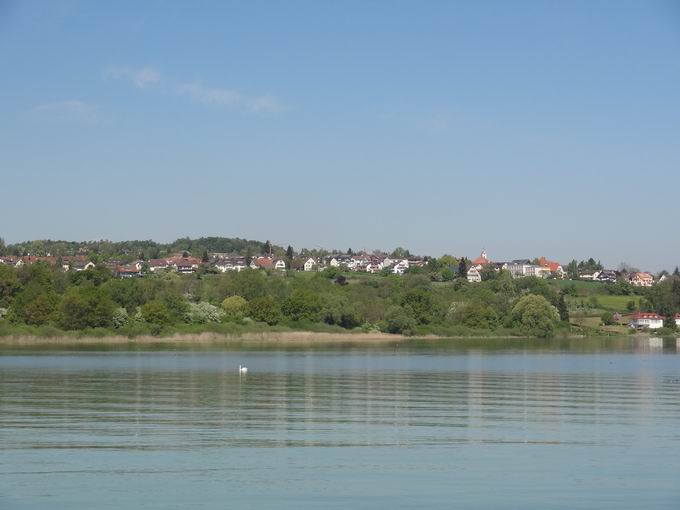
(598, 427)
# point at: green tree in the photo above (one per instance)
(562, 308)
(204, 258)
(400, 253)
(265, 309)
(535, 315)
(85, 307)
(302, 305)
(156, 312)
(462, 268)
(607, 318)
(120, 318)
(290, 254)
(9, 285)
(420, 305)
(399, 321)
(572, 270)
(447, 274)
(235, 308)
(35, 305)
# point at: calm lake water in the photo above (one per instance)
(476, 425)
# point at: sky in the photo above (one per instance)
(527, 128)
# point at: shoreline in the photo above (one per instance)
(268, 338)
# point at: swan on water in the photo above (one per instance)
(242, 370)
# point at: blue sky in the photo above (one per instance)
(528, 128)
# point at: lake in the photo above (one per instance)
(590, 424)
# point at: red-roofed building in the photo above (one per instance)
(648, 320)
(482, 260)
(554, 267)
(640, 279)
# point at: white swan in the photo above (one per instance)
(242, 370)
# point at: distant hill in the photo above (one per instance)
(146, 249)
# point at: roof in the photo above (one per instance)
(264, 262)
(647, 315)
(481, 260)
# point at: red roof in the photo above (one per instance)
(481, 260)
(553, 266)
(647, 315)
(264, 262)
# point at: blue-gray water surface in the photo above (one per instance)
(594, 425)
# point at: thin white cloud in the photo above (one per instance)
(141, 78)
(265, 104)
(70, 109)
(214, 96)
(196, 91)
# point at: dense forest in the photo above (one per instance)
(126, 251)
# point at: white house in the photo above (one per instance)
(374, 268)
(400, 267)
(280, 264)
(309, 265)
(473, 275)
(677, 319)
(648, 320)
(641, 279)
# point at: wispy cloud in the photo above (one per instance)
(141, 78)
(222, 97)
(266, 103)
(214, 96)
(70, 109)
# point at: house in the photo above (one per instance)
(225, 264)
(185, 265)
(648, 320)
(11, 260)
(606, 276)
(130, 270)
(264, 263)
(279, 264)
(677, 319)
(641, 279)
(374, 268)
(400, 267)
(519, 268)
(555, 268)
(32, 259)
(588, 275)
(309, 265)
(159, 265)
(474, 275)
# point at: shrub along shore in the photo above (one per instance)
(37, 301)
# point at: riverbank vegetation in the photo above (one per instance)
(36, 300)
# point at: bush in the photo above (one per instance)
(607, 318)
(535, 315)
(120, 318)
(156, 312)
(235, 308)
(302, 305)
(265, 309)
(203, 313)
(85, 307)
(398, 321)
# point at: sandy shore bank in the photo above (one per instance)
(287, 337)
